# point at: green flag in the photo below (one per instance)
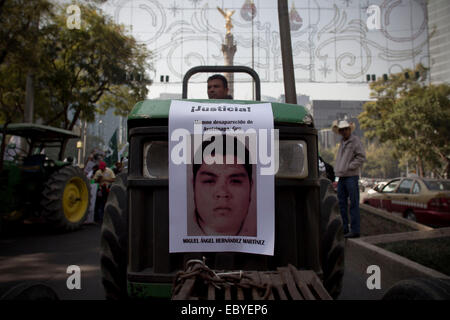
(111, 152)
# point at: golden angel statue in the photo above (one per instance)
(227, 16)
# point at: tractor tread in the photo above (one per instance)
(332, 239)
(52, 195)
(114, 240)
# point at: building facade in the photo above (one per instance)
(104, 127)
(439, 40)
(336, 44)
(333, 41)
(326, 111)
(327, 139)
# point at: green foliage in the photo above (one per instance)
(12, 93)
(80, 66)
(380, 161)
(19, 29)
(19, 52)
(76, 72)
(413, 117)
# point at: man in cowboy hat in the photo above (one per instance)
(349, 160)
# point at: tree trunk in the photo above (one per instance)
(447, 172)
(420, 167)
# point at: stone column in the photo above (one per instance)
(228, 50)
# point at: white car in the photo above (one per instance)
(377, 187)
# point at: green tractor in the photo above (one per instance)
(135, 257)
(33, 185)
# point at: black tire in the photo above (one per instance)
(30, 291)
(53, 194)
(114, 241)
(332, 246)
(419, 289)
(409, 214)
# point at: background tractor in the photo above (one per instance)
(135, 258)
(32, 184)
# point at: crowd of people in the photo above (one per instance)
(102, 176)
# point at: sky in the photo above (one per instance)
(333, 47)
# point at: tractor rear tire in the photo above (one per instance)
(114, 241)
(30, 291)
(332, 246)
(419, 289)
(65, 199)
(410, 215)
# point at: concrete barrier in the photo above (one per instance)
(394, 218)
(363, 253)
(386, 227)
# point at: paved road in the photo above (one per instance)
(37, 254)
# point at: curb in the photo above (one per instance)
(406, 236)
(390, 216)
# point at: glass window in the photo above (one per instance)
(405, 186)
(391, 186)
(416, 188)
(445, 185)
(437, 185)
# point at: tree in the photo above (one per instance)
(12, 93)
(80, 66)
(19, 21)
(380, 161)
(414, 117)
(12, 98)
(73, 68)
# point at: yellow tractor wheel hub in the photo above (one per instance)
(75, 199)
(14, 215)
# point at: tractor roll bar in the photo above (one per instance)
(211, 69)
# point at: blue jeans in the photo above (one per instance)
(348, 188)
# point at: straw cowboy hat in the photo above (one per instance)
(341, 124)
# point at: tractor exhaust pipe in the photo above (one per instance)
(286, 52)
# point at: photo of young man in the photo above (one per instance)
(223, 195)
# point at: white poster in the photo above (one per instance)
(222, 160)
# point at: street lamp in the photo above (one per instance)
(100, 132)
(79, 147)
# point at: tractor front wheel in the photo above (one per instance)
(65, 199)
(332, 239)
(114, 241)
